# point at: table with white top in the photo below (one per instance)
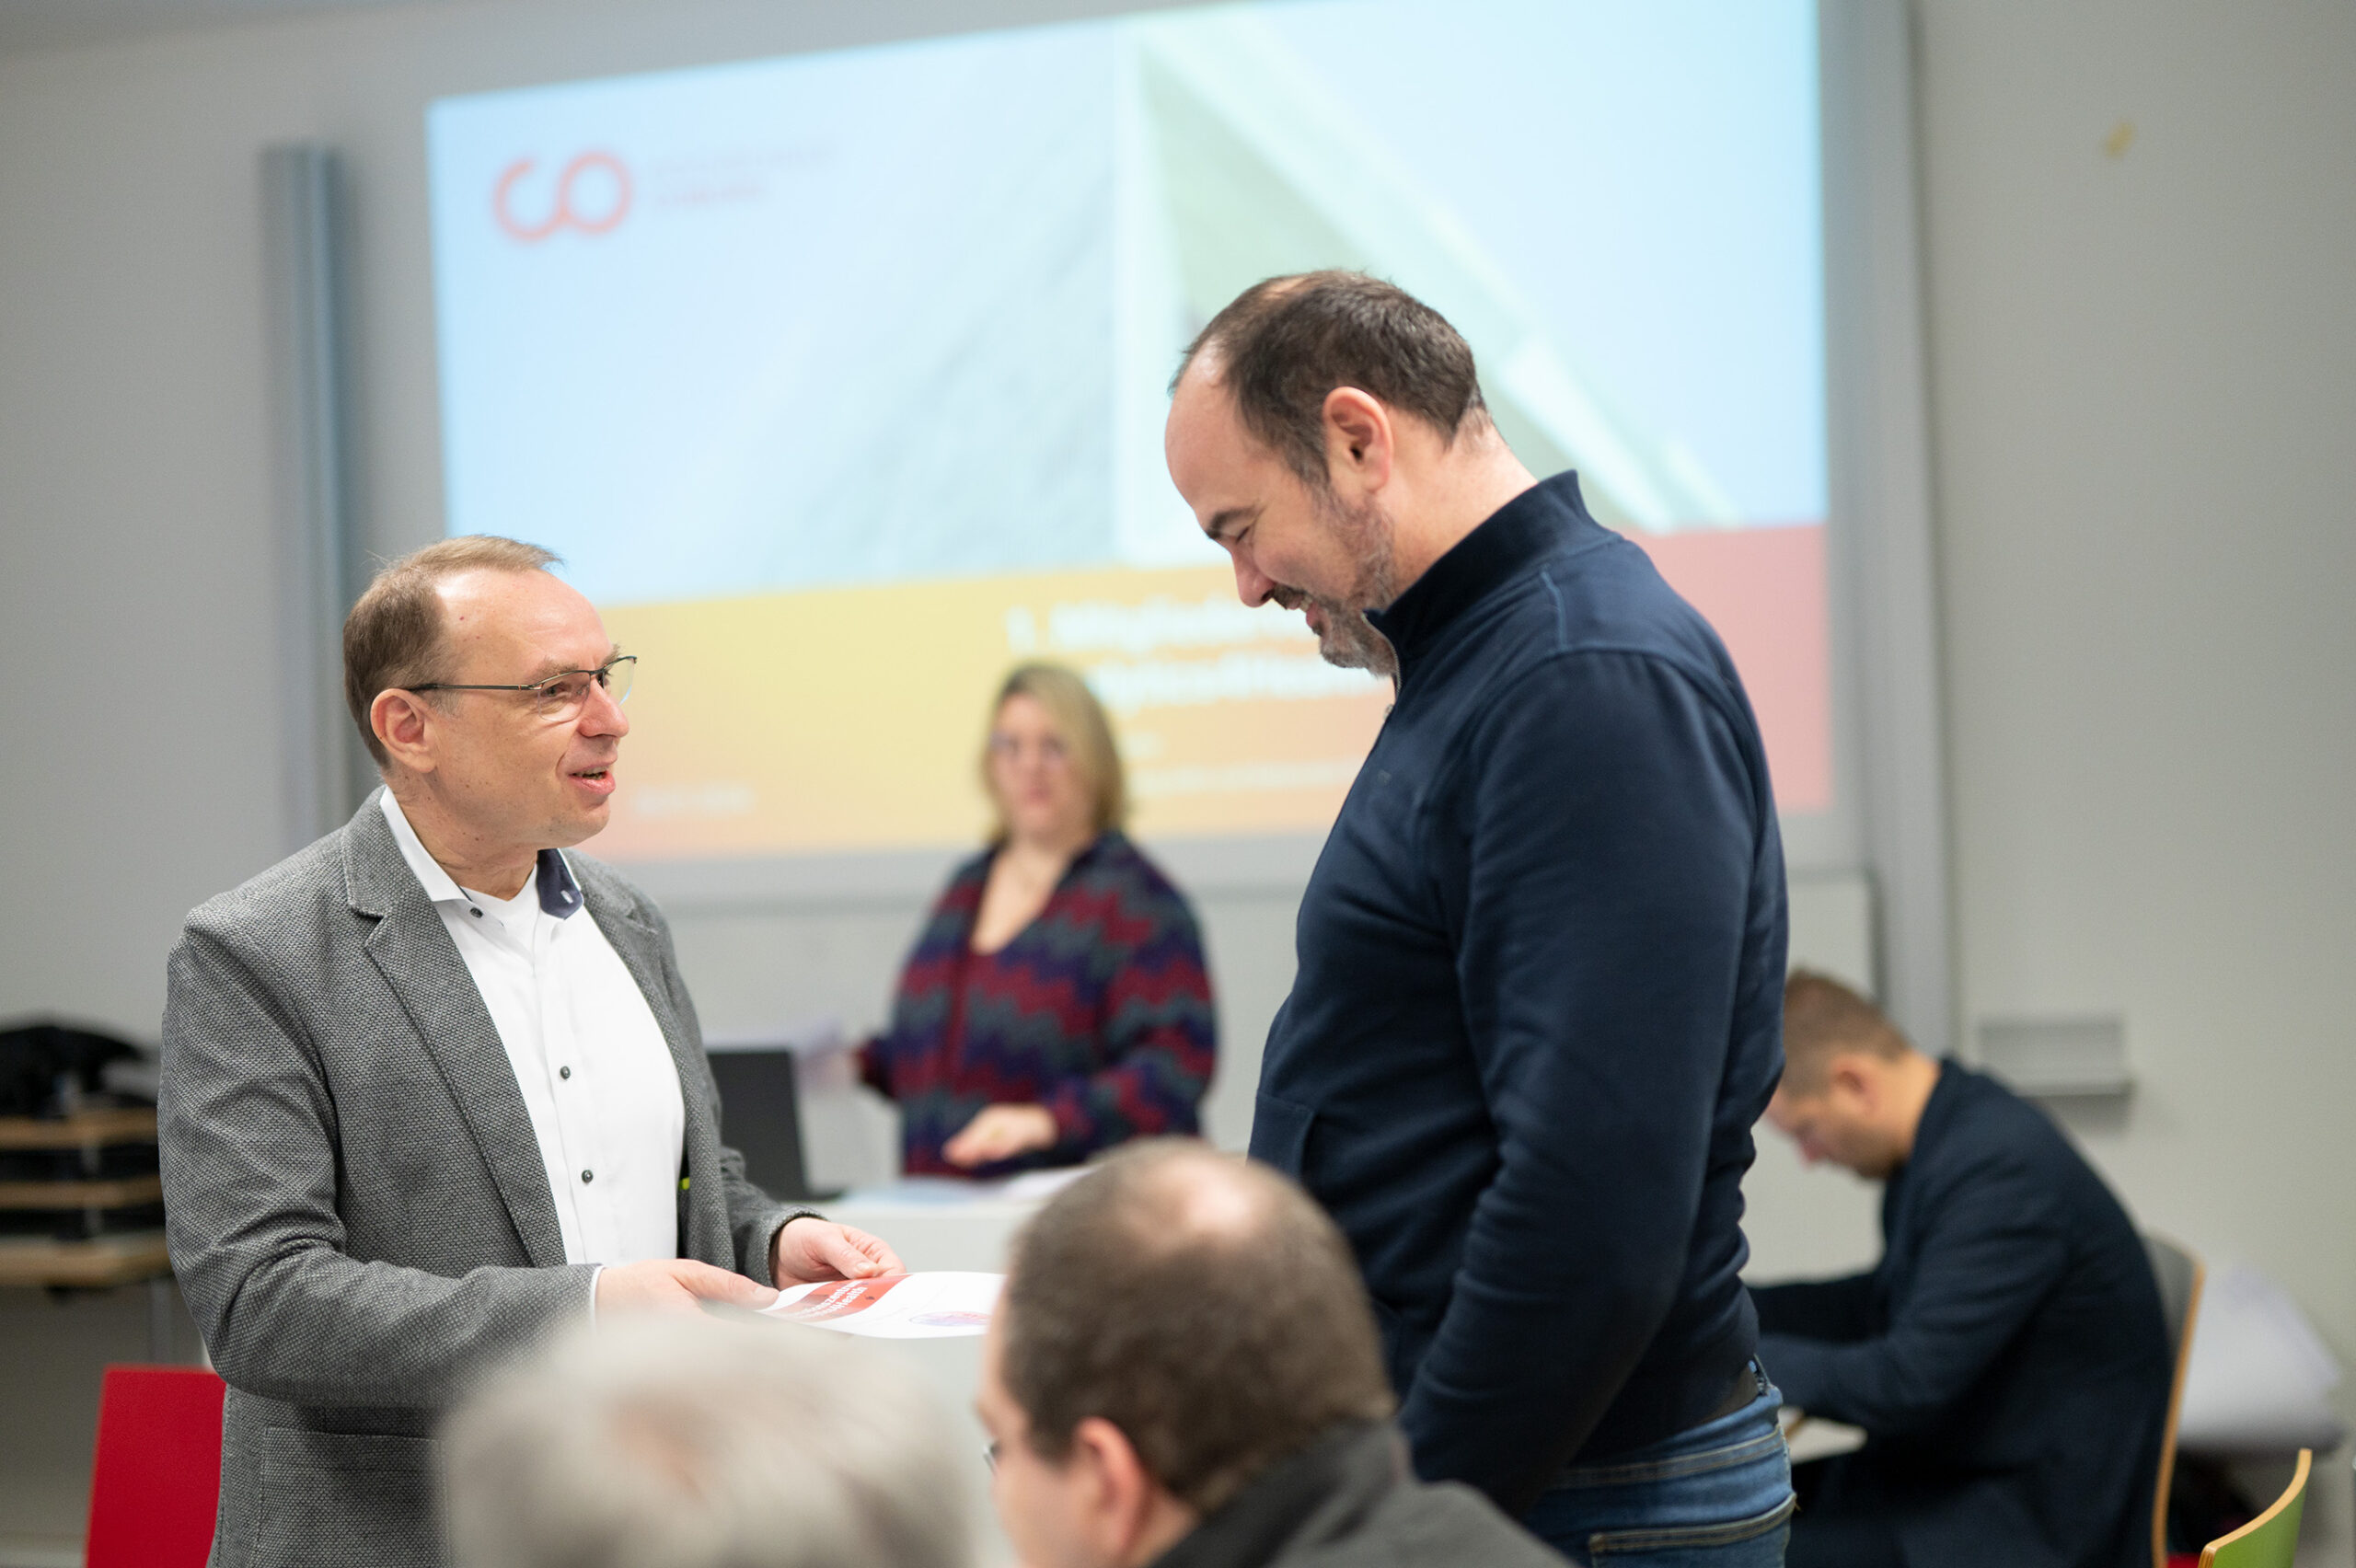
(937, 1222)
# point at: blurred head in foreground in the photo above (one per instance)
(1050, 763)
(1176, 1325)
(1854, 1087)
(694, 1441)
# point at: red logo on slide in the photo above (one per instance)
(592, 195)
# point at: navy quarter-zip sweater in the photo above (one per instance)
(1539, 1005)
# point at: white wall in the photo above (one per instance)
(2143, 397)
(2143, 387)
(2144, 407)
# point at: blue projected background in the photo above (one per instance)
(856, 361)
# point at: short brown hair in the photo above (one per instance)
(392, 639)
(1094, 754)
(1203, 1304)
(1823, 1019)
(1285, 343)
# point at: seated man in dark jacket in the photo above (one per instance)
(2007, 1358)
(1183, 1372)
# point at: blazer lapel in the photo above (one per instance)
(703, 1231)
(415, 954)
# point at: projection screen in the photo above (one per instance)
(839, 379)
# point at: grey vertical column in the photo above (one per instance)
(320, 763)
(1876, 370)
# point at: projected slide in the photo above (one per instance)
(838, 380)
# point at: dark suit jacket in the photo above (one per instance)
(1348, 1501)
(357, 1209)
(2007, 1358)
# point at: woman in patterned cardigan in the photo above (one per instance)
(1057, 1001)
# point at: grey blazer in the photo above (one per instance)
(357, 1210)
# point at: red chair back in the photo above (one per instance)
(157, 1479)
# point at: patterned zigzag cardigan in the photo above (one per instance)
(1100, 1009)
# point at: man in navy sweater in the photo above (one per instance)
(1541, 959)
(2007, 1357)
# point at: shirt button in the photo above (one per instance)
(588, 1175)
(564, 1072)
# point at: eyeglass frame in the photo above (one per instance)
(602, 674)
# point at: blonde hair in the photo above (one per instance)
(1080, 718)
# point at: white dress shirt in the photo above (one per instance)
(595, 1073)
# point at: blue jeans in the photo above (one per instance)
(1716, 1496)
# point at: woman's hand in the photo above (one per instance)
(1001, 1132)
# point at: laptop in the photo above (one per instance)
(761, 1117)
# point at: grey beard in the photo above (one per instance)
(1350, 641)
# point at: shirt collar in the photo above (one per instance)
(559, 893)
(424, 866)
(1519, 531)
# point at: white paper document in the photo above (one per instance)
(919, 1306)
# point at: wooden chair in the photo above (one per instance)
(2179, 1276)
(2271, 1539)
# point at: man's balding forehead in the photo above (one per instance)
(1202, 364)
(554, 665)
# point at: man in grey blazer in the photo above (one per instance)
(417, 1114)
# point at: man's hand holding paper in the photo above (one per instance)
(810, 1249)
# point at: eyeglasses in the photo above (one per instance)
(564, 694)
(1050, 749)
